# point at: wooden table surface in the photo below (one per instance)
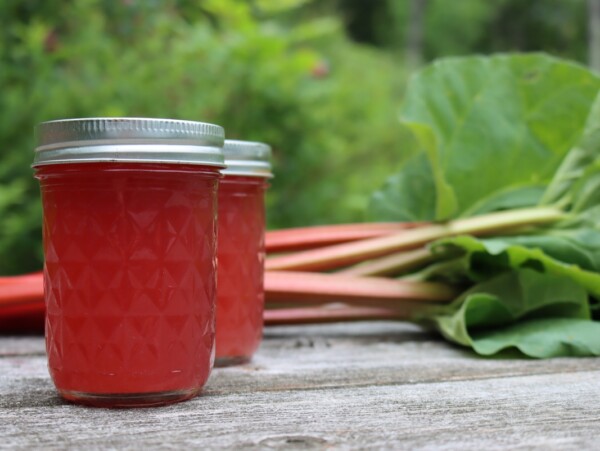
(362, 385)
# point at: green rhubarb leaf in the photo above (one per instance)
(578, 169)
(514, 197)
(485, 258)
(579, 246)
(501, 133)
(445, 204)
(543, 338)
(585, 192)
(492, 126)
(408, 195)
(540, 314)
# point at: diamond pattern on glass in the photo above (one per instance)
(240, 270)
(130, 278)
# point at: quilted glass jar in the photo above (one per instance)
(129, 228)
(241, 251)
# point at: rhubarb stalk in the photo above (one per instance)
(330, 314)
(35, 277)
(294, 239)
(30, 290)
(22, 304)
(391, 264)
(315, 288)
(337, 256)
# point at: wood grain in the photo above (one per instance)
(356, 385)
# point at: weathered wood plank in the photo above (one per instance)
(336, 355)
(14, 346)
(544, 412)
(350, 385)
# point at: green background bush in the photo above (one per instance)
(284, 72)
(211, 61)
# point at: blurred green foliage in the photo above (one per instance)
(287, 72)
(329, 114)
(462, 27)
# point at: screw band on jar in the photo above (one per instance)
(247, 158)
(143, 140)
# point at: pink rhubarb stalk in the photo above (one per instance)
(293, 239)
(327, 314)
(315, 288)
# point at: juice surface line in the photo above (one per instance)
(241, 251)
(129, 223)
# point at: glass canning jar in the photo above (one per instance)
(129, 228)
(241, 251)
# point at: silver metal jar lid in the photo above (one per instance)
(247, 158)
(139, 140)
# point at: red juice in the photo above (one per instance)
(129, 276)
(241, 254)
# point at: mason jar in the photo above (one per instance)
(129, 232)
(241, 250)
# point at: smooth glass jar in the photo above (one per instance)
(241, 251)
(129, 224)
